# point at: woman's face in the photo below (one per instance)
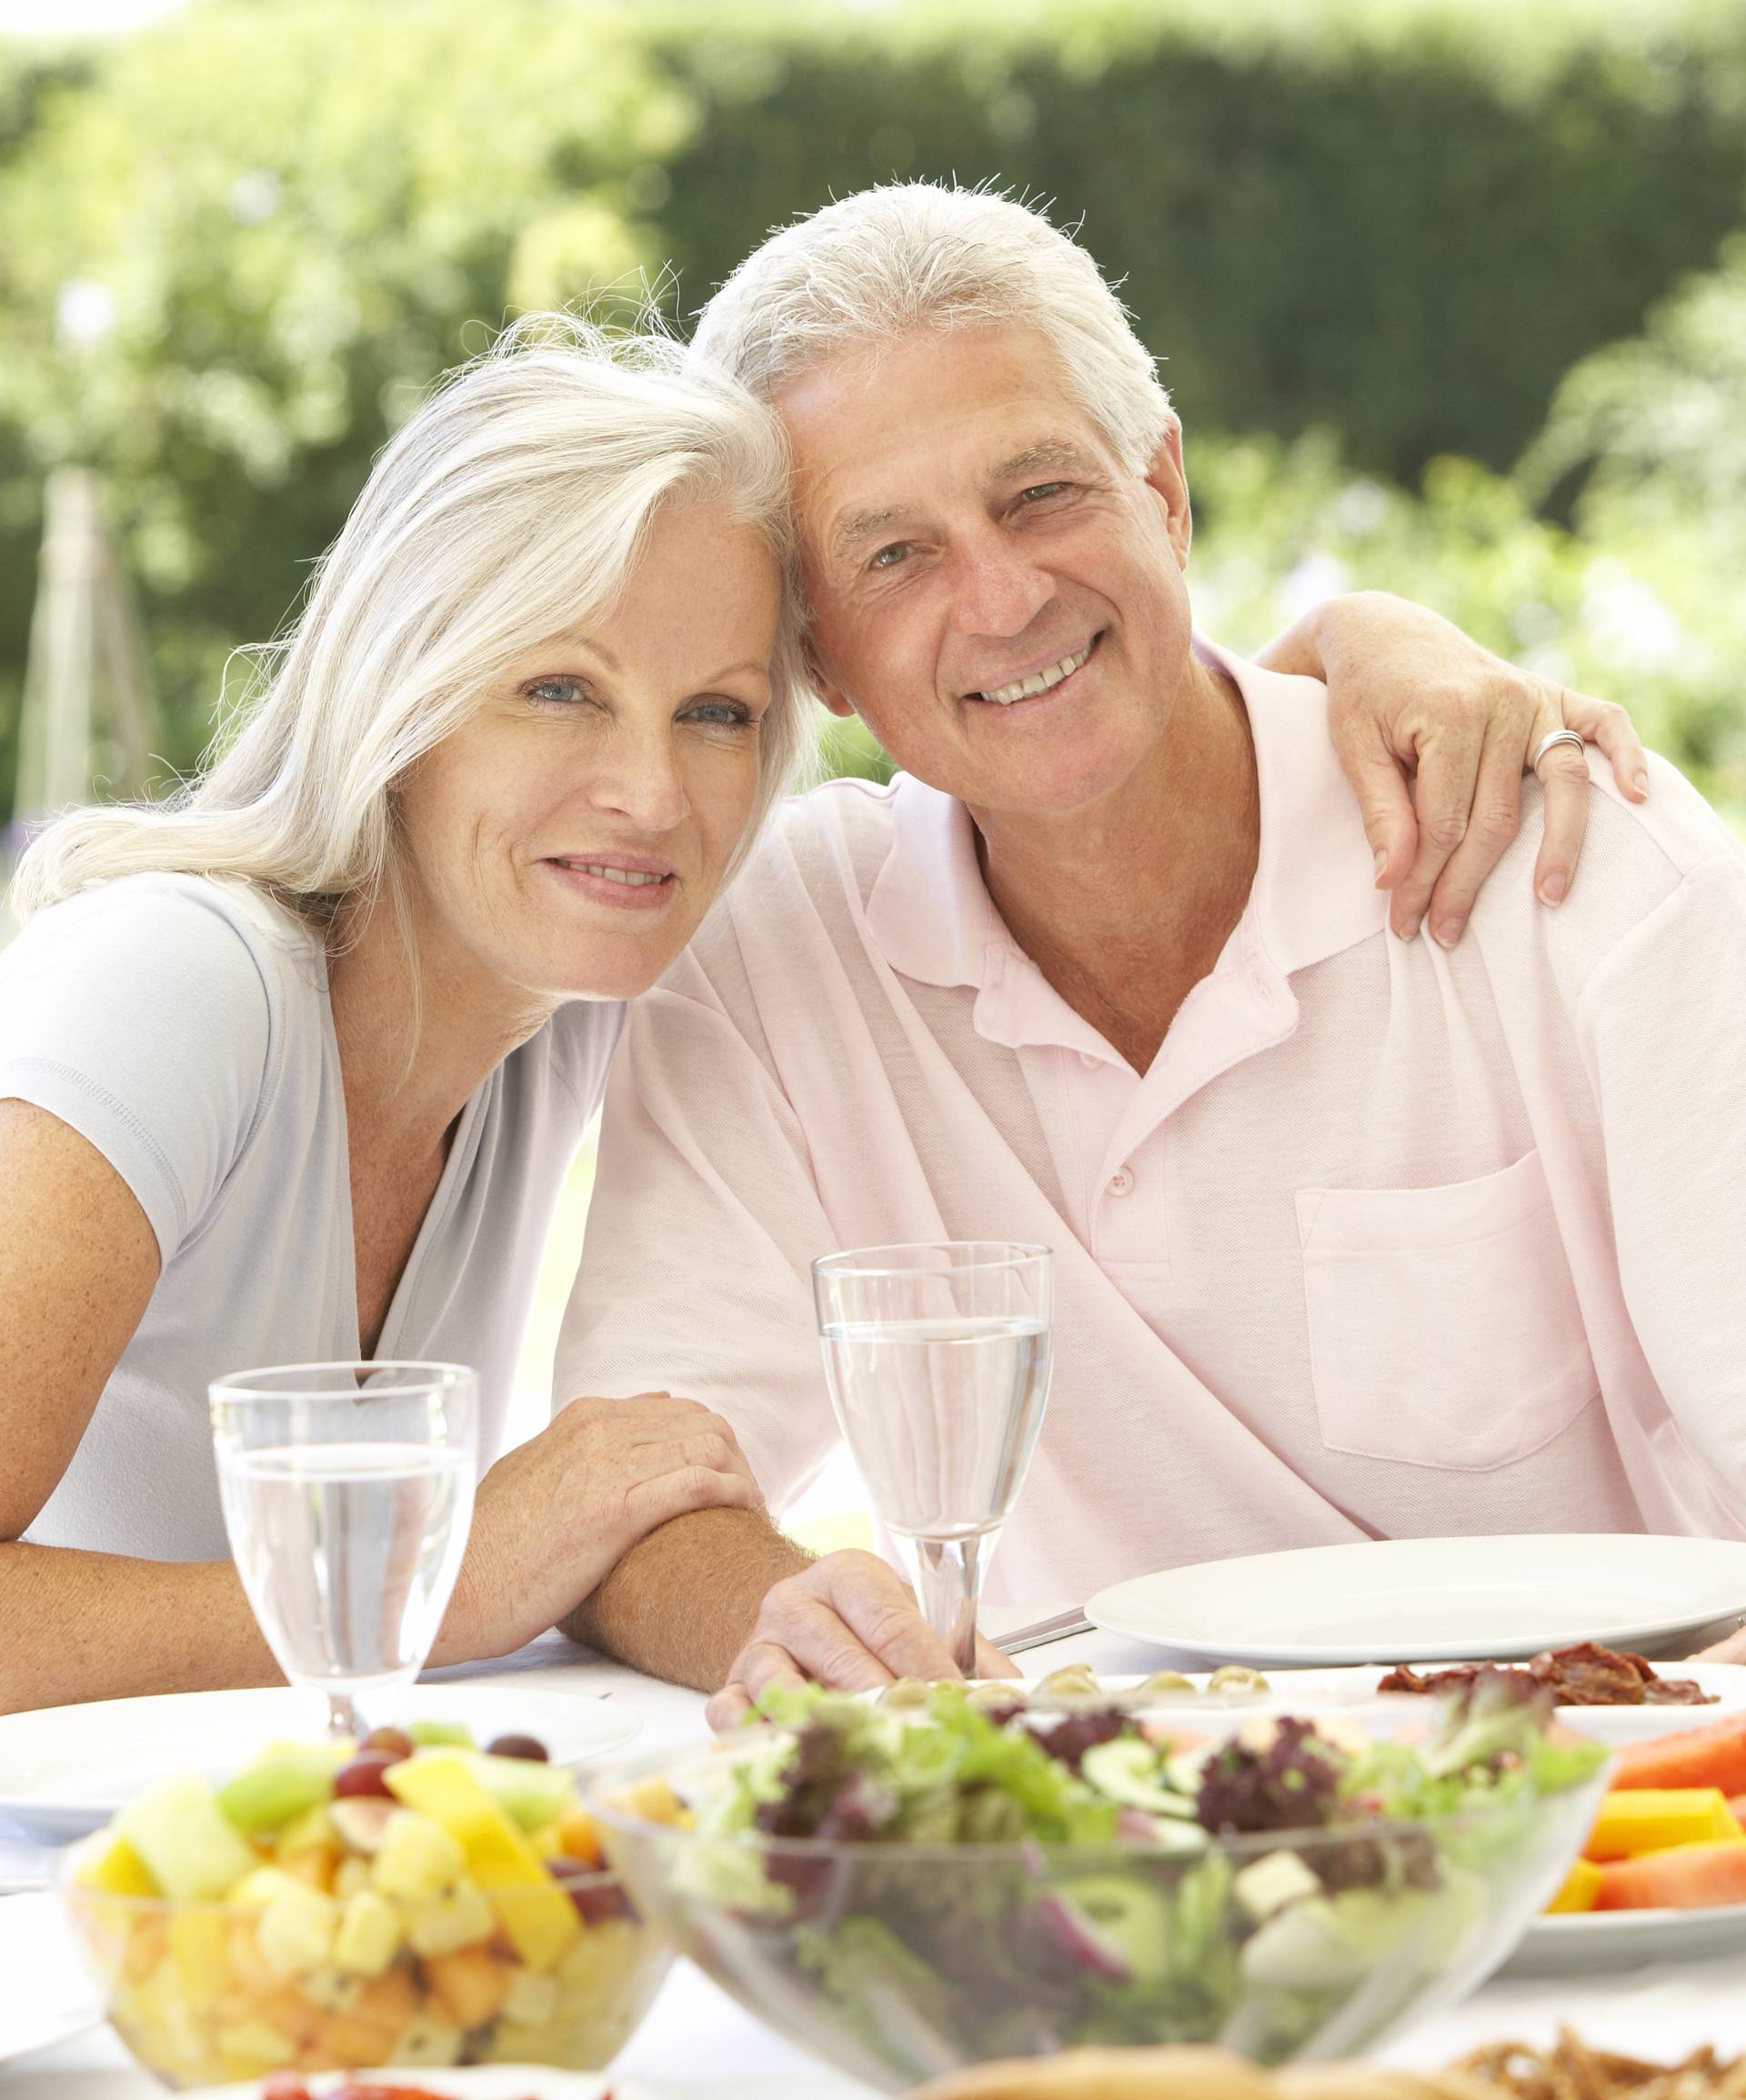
(567, 840)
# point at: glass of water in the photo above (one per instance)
(937, 1357)
(347, 1491)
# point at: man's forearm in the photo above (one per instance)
(682, 1603)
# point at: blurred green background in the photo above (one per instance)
(1448, 291)
(1451, 293)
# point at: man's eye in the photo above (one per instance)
(556, 692)
(1043, 491)
(889, 557)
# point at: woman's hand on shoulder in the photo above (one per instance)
(1413, 699)
(558, 1514)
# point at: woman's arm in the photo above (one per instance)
(79, 1264)
(1410, 697)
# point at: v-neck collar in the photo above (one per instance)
(463, 1148)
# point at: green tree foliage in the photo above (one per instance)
(1397, 220)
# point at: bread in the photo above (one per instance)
(1191, 2074)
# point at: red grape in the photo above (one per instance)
(364, 1773)
(395, 1740)
(528, 1747)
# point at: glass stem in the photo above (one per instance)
(948, 1573)
(344, 1720)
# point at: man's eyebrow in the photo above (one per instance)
(848, 533)
(1057, 453)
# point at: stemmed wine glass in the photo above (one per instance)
(937, 1359)
(347, 1491)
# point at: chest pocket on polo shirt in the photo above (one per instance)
(1444, 1329)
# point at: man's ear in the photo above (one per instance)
(830, 693)
(1168, 480)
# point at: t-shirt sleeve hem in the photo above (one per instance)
(109, 1124)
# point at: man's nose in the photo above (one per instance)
(998, 590)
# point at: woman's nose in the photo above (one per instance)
(640, 781)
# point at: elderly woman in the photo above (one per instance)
(293, 1068)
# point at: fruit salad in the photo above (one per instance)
(408, 1902)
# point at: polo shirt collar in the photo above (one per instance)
(931, 918)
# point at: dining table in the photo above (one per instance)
(695, 2040)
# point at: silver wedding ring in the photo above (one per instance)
(1548, 743)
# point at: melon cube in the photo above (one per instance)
(188, 1847)
(442, 1924)
(296, 1929)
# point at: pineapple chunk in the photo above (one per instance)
(427, 2042)
(352, 1875)
(256, 1890)
(443, 1924)
(369, 1934)
(198, 1948)
(114, 1869)
(531, 2001)
(296, 1929)
(253, 2043)
(416, 1858)
(536, 1914)
(579, 1836)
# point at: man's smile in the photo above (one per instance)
(1034, 684)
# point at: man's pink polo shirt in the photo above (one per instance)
(1387, 1242)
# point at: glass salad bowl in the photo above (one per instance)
(906, 1891)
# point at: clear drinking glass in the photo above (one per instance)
(347, 1491)
(937, 1357)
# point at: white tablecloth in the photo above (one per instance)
(697, 2041)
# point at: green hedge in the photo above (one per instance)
(1402, 221)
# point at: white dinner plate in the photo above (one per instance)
(48, 1998)
(483, 2081)
(1582, 1941)
(64, 1770)
(1432, 1599)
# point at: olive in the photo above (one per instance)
(365, 1775)
(528, 1747)
(395, 1740)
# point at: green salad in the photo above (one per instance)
(957, 1878)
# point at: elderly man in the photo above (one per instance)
(1355, 1235)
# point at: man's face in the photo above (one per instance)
(967, 531)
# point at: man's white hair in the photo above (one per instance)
(511, 508)
(904, 257)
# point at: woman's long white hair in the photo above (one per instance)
(507, 510)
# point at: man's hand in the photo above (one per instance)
(847, 1621)
(556, 1515)
(1409, 696)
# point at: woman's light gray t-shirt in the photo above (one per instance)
(183, 1027)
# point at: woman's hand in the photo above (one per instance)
(1410, 697)
(556, 1514)
(847, 1621)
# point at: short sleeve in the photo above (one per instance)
(139, 1013)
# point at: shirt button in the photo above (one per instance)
(1090, 1060)
(1121, 1183)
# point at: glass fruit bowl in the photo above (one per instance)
(188, 1989)
(899, 1960)
(417, 1907)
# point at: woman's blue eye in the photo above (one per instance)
(560, 692)
(723, 715)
